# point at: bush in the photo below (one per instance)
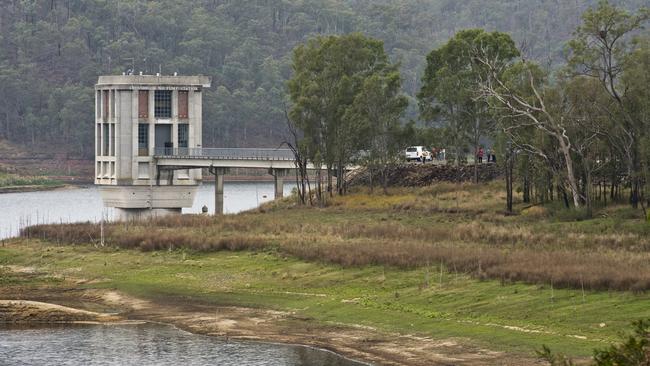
(633, 351)
(535, 212)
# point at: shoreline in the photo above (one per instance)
(42, 314)
(37, 308)
(361, 344)
(85, 183)
(35, 188)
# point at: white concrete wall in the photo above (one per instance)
(125, 137)
(148, 196)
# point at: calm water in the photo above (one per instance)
(147, 344)
(18, 210)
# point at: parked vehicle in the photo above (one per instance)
(418, 153)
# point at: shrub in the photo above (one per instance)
(633, 351)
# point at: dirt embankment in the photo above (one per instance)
(421, 175)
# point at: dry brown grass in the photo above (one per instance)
(365, 229)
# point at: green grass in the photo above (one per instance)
(418, 301)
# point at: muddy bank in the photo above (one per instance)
(357, 342)
(32, 188)
(27, 312)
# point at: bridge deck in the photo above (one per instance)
(225, 157)
(188, 158)
(224, 154)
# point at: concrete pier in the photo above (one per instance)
(278, 179)
(218, 188)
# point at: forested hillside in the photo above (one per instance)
(51, 52)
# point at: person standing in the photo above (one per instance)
(479, 155)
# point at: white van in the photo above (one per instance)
(418, 153)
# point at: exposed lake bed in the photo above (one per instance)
(35, 332)
(27, 329)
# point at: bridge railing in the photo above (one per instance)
(224, 153)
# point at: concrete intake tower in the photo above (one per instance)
(136, 118)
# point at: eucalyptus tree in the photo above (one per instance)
(520, 95)
(378, 107)
(449, 85)
(637, 79)
(601, 50)
(329, 73)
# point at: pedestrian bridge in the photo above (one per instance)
(184, 158)
(279, 163)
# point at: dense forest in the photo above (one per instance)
(51, 52)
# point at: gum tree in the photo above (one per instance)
(329, 73)
(601, 50)
(449, 95)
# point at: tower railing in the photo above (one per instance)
(224, 153)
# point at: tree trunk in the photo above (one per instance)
(568, 160)
(550, 186)
(319, 187)
(340, 179)
(633, 169)
(588, 189)
(565, 198)
(330, 184)
(476, 147)
(509, 167)
(384, 179)
(526, 181)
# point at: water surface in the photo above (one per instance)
(147, 344)
(78, 204)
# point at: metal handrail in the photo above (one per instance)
(225, 153)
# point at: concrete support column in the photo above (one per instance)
(279, 186)
(218, 194)
(278, 179)
(218, 188)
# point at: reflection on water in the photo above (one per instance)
(18, 210)
(147, 344)
(237, 196)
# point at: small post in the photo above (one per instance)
(101, 231)
(552, 292)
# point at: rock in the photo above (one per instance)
(420, 175)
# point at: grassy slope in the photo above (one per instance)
(390, 299)
(423, 300)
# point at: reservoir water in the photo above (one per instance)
(79, 204)
(147, 344)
